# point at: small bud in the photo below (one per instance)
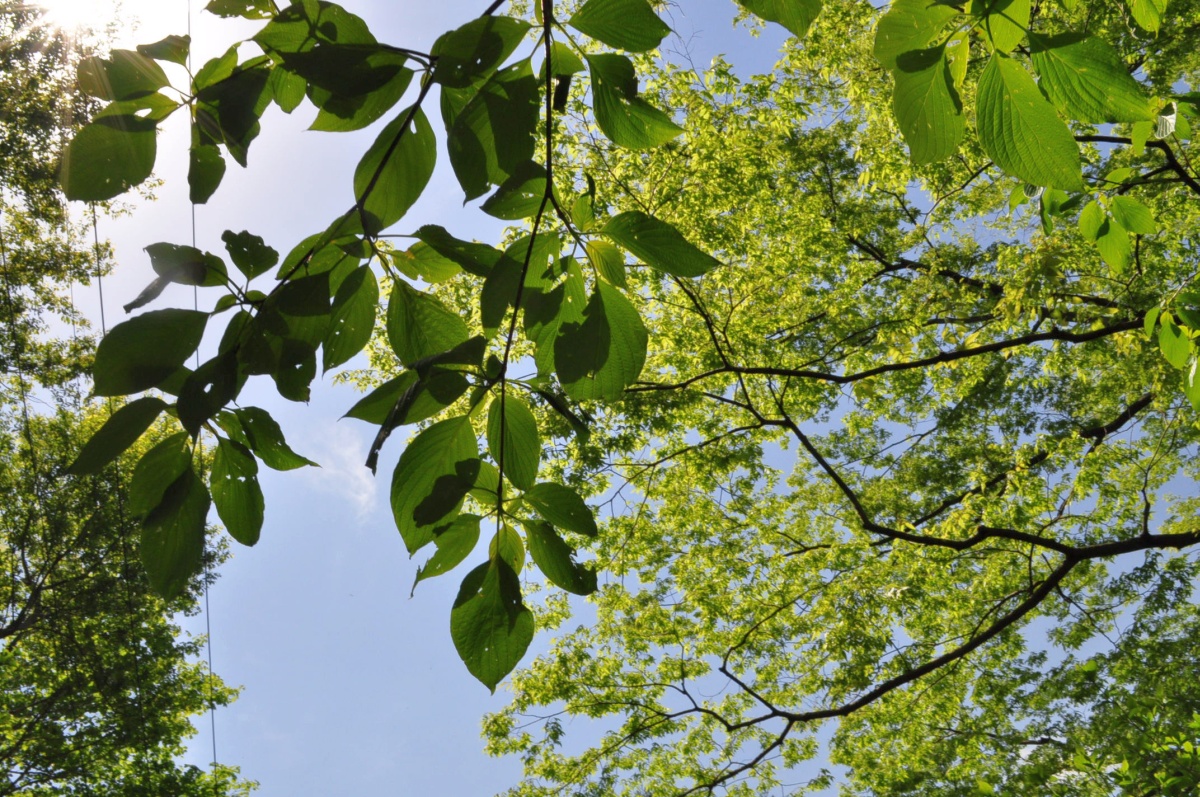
(1166, 122)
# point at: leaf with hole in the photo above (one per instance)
(236, 492)
(394, 171)
(489, 624)
(353, 320)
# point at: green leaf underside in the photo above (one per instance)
(554, 557)
(419, 326)
(927, 105)
(258, 431)
(1004, 21)
(119, 432)
(562, 507)
(511, 428)
(659, 244)
(426, 397)
(603, 353)
(1148, 13)
(624, 24)
(1133, 215)
(434, 474)
(795, 15)
(492, 135)
(187, 265)
(476, 49)
(108, 157)
(172, 546)
(156, 471)
(249, 253)
(520, 196)
(910, 25)
(625, 118)
(124, 75)
(236, 492)
(454, 544)
(1174, 343)
(1085, 78)
(140, 353)
(394, 171)
(1020, 130)
(353, 317)
(506, 544)
(206, 169)
(489, 624)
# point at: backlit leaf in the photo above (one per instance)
(394, 171)
(108, 157)
(513, 440)
(172, 546)
(659, 244)
(554, 557)
(119, 432)
(1084, 77)
(418, 325)
(624, 117)
(434, 474)
(139, 353)
(489, 624)
(795, 15)
(561, 506)
(927, 105)
(910, 25)
(624, 24)
(353, 318)
(236, 492)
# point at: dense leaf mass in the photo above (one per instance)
(890, 408)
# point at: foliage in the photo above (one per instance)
(893, 407)
(97, 689)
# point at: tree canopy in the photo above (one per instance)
(892, 406)
(98, 685)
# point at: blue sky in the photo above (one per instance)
(349, 686)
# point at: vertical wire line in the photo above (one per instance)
(99, 271)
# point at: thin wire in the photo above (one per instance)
(99, 271)
(212, 711)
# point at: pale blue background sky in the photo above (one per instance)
(350, 687)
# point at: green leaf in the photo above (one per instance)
(422, 261)
(910, 25)
(659, 244)
(302, 26)
(624, 24)
(489, 624)
(262, 435)
(235, 491)
(1148, 13)
(1020, 130)
(119, 432)
(139, 353)
(1110, 237)
(228, 111)
(1004, 21)
(288, 89)
(419, 326)
(563, 61)
(353, 317)
(370, 80)
(247, 9)
(108, 157)
(157, 470)
(173, 48)
(454, 544)
(434, 474)
(553, 556)
(394, 171)
(603, 354)
(492, 136)
(207, 389)
(1191, 385)
(608, 262)
(413, 398)
(187, 265)
(206, 169)
(125, 75)
(249, 253)
(506, 544)
(795, 15)
(476, 49)
(561, 506)
(1174, 343)
(625, 118)
(520, 196)
(173, 536)
(1085, 78)
(513, 440)
(1133, 215)
(927, 105)
(1151, 321)
(474, 258)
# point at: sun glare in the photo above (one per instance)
(119, 23)
(76, 16)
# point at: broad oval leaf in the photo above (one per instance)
(624, 117)
(513, 440)
(156, 471)
(491, 136)
(353, 319)
(520, 196)
(140, 353)
(434, 474)
(1133, 215)
(172, 547)
(395, 170)
(554, 557)
(927, 105)
(249, 253)
(659, 244)
(490, 625)
(795, 15)
(603, 353)
(476, 49)
(1004, 21)
(1174, 343)
(454, 544)
(1084, 77)
(236, 492)
(108, 157)
(258, 431)
(1148, 13)
(1021, 131)
(419, 326)
(124, 75)
(119, 432)
(187, 265)
(625, 24)
(910, 25)
(561, 506)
